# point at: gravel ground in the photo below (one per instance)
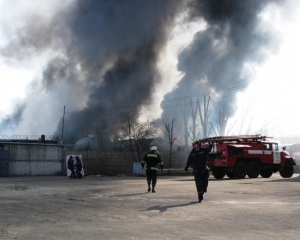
(121, 208)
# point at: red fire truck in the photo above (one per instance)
(251, 155)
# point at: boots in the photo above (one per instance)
(153, 188)
(149, 188)
(200, 197)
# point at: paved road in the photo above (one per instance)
(120, 208)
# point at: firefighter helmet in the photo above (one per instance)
(153, 148)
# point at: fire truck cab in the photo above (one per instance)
(251, 155)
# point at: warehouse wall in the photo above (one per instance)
(103, 162)
(34, 160)
(39, 159)
(110, 162)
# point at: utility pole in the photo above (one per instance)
(63, 125)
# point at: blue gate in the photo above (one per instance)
(3, 163)
(137, 170)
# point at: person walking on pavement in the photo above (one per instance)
(197, 158)
(152, 159)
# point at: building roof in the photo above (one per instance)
(94, 143)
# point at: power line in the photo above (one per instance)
(205, 94)
(110, 111)
(113, 111)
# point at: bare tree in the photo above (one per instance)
(193, 137)
(185, 111)
(223, 119)
(244, 117)
(194, 116)
(222, 124)
(230, 128)
(267, 126)
(131, 133)
(169, 133)
(204, 115)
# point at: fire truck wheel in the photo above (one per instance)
(240, 169)
(218, 173)
(287, 171)
(266, 173)
(230, 175)
(253, 169)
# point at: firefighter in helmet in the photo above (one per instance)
(197, 158)
(152, 159)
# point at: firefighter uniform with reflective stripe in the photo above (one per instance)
(197, 159)
(152, 159)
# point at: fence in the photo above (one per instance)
(112, 162)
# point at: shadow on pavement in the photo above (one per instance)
(295, 179)
(165, 208)
(209, 179)
(132, 194)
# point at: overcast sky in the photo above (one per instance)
(273, 98)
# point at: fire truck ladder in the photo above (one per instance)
(234, 139)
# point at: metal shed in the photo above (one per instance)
(33, 159)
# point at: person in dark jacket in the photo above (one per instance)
(78, 167)
(197, 158)
(152, 159)
(71, 166)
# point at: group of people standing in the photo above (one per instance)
(75, 166)
(197, 159)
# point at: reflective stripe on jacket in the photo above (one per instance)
(152, 159)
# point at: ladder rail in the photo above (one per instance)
(237, 138)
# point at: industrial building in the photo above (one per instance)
(46, 156)
(31, 156)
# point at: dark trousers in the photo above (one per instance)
(151, 177)
(201, 181)
(78, 172)
(73, 174)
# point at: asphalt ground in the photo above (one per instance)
(121, 208)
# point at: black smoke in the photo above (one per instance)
(218, 54)
(129, 35)
(107, 54)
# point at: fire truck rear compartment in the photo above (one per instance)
(247, 155)
(251, 167)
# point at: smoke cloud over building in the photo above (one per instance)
(101, 57)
